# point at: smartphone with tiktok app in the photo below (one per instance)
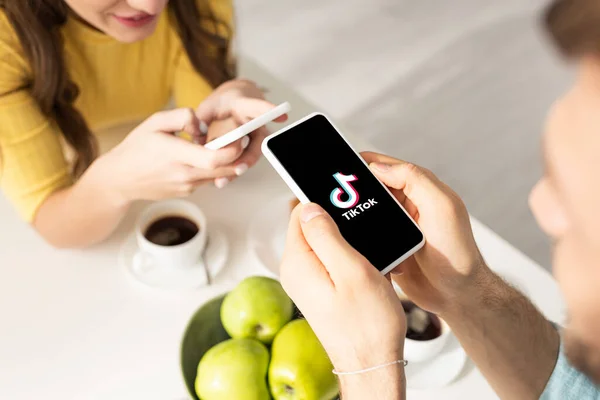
(319, 165)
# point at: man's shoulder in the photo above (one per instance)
(568, 383)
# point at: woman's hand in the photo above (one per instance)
(352, 308)
(231, 105)
(152, 163)
(442, 274)
(219, 128)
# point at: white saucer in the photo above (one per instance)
(267, 233)
(194, 277)
(440, 370)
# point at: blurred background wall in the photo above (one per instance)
(461, 87)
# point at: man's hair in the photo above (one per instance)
(574, 26)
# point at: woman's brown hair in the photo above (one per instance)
(574, 26)
(37, 24)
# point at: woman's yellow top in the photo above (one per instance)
(118, 83)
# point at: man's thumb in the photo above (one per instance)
(324, 237)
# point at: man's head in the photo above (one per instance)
(566, 201)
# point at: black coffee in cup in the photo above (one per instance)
(421, 325)
(171, 230)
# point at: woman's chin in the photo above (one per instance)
(125, 34)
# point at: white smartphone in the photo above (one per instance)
(320, 166)
(249, 127)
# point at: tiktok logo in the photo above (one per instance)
(352, 201)
(336, 194)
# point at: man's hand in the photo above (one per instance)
(351, 307)
(504, 334)
(436, 277)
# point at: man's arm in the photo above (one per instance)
(509, 340)
(388, 383)
(506, 336)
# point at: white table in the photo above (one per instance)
(75, 325)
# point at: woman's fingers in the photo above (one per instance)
(172, 121)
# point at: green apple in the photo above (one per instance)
(234, 369)
(257, 308)
(300, 368)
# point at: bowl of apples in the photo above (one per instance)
(252, 343)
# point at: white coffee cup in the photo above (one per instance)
(183, 255)
(423, 350)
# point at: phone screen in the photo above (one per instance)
(331, 174)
